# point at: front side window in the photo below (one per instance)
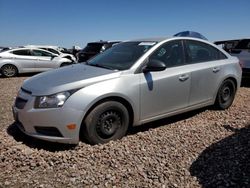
(41, 53)
(121, 56)
(170, 53)
(201, 52)
(22, 52)
(51, 50)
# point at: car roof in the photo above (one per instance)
(27, 48)
(104, 42)
(160, 39)
(42, 46)
(154, 39)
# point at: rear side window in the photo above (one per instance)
(22, 52)
(197, 52)
(51, 50)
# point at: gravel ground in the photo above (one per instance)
(204, 148)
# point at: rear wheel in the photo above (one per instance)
(107, 121)
(9, 70)
(226, 94)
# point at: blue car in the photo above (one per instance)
(190, 34)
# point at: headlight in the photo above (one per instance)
(52, 101)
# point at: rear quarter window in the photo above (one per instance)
(198, 52)
(22, 52)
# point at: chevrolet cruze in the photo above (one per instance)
(132, 83)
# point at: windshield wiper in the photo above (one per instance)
(101, 66)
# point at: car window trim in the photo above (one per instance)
(140, 68)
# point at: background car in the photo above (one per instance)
(56, 50)
(94, 48)
(239, 48)
(4, 48)
(25, 60)
(190, 34)
(130, 84)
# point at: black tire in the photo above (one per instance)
(107, 121)
(9, 71)
(225, 95)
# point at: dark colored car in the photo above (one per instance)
(94, 48)
(241, 49)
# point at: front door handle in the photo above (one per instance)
(216, 69)
(183, 77)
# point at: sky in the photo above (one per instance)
(77, 22)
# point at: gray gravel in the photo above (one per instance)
(204, 148)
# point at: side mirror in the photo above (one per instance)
(153, 66)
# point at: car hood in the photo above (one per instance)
(67, 78)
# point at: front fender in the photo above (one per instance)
(88, 96)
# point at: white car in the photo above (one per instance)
(55, 50)
(26, 60)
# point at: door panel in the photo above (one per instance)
(163, 92)
(44, 60)
(204, 83)
(44, 63)
(24, 60)
(206, 63)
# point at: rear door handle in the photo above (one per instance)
(216, 69)
(183, 77)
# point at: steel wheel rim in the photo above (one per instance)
(108, 124)
(226, 93)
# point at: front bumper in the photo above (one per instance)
(30, 119)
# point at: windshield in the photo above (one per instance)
(121, 56)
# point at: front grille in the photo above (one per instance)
(20, 103)
(48, 131)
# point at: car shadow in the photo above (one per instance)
(166, 121)
(21, 75)
(31, 142)
(225, 163)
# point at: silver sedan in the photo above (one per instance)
(26, 60)
(130, 84)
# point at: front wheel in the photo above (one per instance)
(107, 121)
(225, 95)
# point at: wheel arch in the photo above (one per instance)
(119, 99)
(230, 77)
